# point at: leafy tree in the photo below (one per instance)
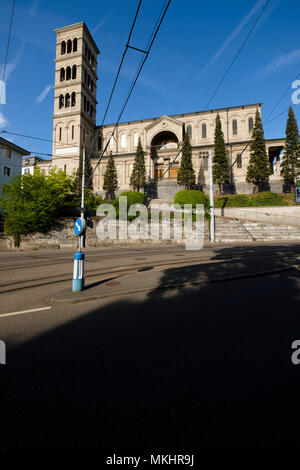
(138, 175)
(259, 168)
(186, 174)
(291, 158)
(221, 169)
(88, 174)
(110, 183)
(30, 203)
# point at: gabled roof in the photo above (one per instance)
(16, 148)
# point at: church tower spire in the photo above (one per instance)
(75, 88)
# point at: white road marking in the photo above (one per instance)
(24, 311)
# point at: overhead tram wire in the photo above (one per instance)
(127, 46)
(7, 46)
(280, 99)
(223, 78)
(139, 69)
(237, 54)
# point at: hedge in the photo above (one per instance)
(261, 199)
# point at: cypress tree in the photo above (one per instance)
(186, 174)
(110, 183)
(138, 175)
(291, 158)
(88, 174)
(221, 170)
(259, 168)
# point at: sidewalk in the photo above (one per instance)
(155, 280)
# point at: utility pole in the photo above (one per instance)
(211, 200)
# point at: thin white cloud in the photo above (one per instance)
(232, 35)
(34, 8)
(277, 64)
(3, 121)
(43, 95)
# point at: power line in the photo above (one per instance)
(32, 137)
(281, 98)
(237, 53)
(7, 46)
(139, 69)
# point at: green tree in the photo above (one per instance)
(88, 174)
(138, 175)
(110, 183)
(291, 158)
(221, 169)
(259, 168)
(31, 203)
(186, 174)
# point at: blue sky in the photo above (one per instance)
(195, 44)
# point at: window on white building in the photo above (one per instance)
(123, 140)
(6, 170)
(135, 139)
(6, 152)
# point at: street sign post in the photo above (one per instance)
(80, 226)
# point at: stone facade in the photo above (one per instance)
(162, 137)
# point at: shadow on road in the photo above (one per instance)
(203, 369)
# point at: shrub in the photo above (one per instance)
(268, 199)
(133, 197)
(191, 197)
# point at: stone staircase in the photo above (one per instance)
(229, 230)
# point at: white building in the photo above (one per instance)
(10, 160)
(29, 164)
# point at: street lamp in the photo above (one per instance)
(211, 194)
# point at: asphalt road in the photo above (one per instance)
(191, 368)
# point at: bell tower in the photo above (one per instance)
(75, 89)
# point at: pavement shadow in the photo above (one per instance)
(175, 370)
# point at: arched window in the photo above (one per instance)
(88, 107)
(85, 76)
(68, 73)
(83, 135)
(74, 72)
(239, 161)
(69, 46)
(65, 169)
(63, 48)
(234, 127)
(62, 74)
(67, 100)
(189, 131)
(84, 103)
(72, 134)
(250, 124)
(135, 139)
(99, 143)
(203, 130)
(59, 134)
(89, 55)
(61, 101)
(73, 99)
(123, 140)
(89, 82)
(74, 44)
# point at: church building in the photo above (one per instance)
(74, 128)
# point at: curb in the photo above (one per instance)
(76, 299)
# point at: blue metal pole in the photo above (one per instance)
(78, 272)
